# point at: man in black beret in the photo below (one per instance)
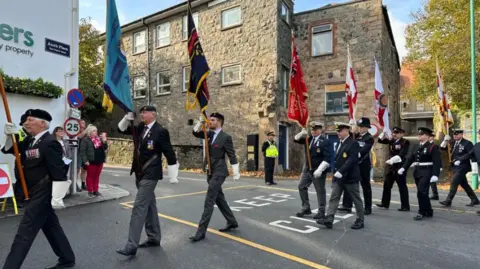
(398, 148)
(270, 154)
(426, 160)
(459, 150)
(42, 161)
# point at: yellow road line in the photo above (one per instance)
(245, 242)
(377, 200)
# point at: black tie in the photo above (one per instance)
(145, 130)
(339, 146)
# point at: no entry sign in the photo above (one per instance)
(72, 127)
(6, 189)
(75, 98)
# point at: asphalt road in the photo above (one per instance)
(269, 236)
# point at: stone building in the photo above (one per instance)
(247, 44)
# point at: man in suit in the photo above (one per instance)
(219, 144)
(42, 164)
(398, 147)
(365, 142)
(151, 140)
(270, 154)
(426, 160)
(319, 148)
(433, 185)
(346, 178)
(474, 155)
(459, 147)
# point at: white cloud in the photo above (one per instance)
(99, 26)
(398, 29)
(122, 18)
(85, 3)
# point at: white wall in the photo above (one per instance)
(50, 19)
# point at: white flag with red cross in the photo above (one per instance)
(381, 102)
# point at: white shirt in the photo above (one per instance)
(339, 144)
(217, 131)
(148, 127)
(314, 140)
(38, 137)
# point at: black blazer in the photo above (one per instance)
(399, 148)
(429, 152)
(457, 154)
(157, 141)
(319, 151)
(365, 143)
(346, 161)
(221, 146)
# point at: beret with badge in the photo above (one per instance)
(425, 131)
(39, 114)
(148, 109)
(398, 130)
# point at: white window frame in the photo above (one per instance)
(161, 86)
(135, 90)
(185, 25)
(231, 82)
(285, 17)
(344, 110)
(165, 38)
(144, 42)
(223, 26)
(328, 29)
(185, 77)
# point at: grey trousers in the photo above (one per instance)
(353, 190)
(215, 196)
(306, 181)
(144, 213)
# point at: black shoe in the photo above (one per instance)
(434, 197)
(404, 209)
(96, 193)
(319, 216)
(445, 203)
(478, 212)
(368, 211)
(327, 222)
(60, 265)
(429, 214)
(358, 224)
(268, 183)
(274, 183)
(474, 203)
(419, 217)
(344, 209)
(148, 244)
(126, 252)
(303, 213)
(197, 237)
(229, 227)
(382, 206)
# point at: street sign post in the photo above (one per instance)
(72, 127)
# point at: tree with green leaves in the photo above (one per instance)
(441, 31)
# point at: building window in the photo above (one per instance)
(322, 40)
(139, 87)
(139, 42)
(185, 25)
(163, 35)
(283, 94)
(186, 78)
(231, 74)
(163, 83)
(231, 17)
(335, 99)
(285, 13)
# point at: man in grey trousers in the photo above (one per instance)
(151, 141)
(319, 148)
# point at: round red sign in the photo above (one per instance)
(5, 182)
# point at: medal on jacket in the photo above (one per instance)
(398, 146)
(344, 155)
(150, 144)
(425, 151)
(32, 154)
(361, 144)
(318, 150)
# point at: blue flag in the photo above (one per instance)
(117, 80)
(198, 89)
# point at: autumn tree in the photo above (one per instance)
(441, 31)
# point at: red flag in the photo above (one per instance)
(351, 89)
(297, 106)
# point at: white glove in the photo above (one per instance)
(324, 165)
(338, 175)
(381, 136)
(396, 159)
(389, 161)
(456, 163)
(10, 129)
(125, 122)
(401, 171)
(352, 122)
(302, 134)
(433, 179)
(173, 173)
(198, 126)
(447, 138)
(444, 144)
(236, 171)
(475, 168)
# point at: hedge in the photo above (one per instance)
(31, 87)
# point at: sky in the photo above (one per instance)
(130, 10)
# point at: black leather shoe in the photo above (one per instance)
(60, 265)
(126, 252)
(474, 203)
(478, 212)
(197, 237)
(359, 224)
(404, 209)
(434, 197)
(368, 211)
(344, 209)
(148, 244)
(382, 206)
(419, 217)
(327, 222)
(274, 183)
(303, 213)
(445, 203)
(229, 227)
(319, 216)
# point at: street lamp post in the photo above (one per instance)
(474, 82)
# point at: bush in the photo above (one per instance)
(31, 87)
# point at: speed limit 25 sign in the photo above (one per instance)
(72, 127)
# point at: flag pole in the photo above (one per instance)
(207, 149)
(18, 161)
(474, 83)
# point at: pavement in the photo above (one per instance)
(269, 236)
